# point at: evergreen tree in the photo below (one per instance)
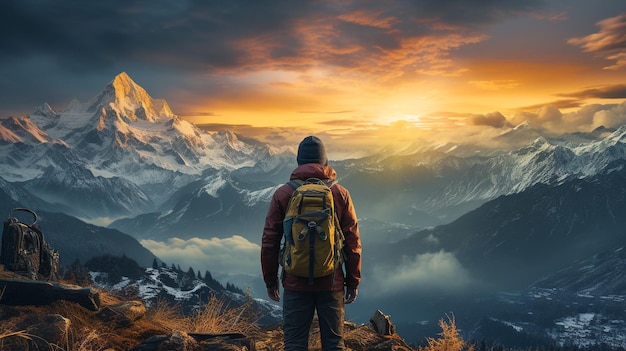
(233, 288)
(115, 267)
(211, 282)
(191, 273)
(77, 273)
(199, 276)
(155, 264)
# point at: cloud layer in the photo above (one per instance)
(234, 255)
(439, 271)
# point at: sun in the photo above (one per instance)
(412, 120)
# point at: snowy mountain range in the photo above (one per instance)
(485, 219)
(121, 140)
(137, 158)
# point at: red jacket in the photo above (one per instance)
(273, 233)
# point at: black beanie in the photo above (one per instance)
(311, 150)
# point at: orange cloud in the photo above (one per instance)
(609, 42)
(369, 18)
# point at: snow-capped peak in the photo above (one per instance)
(8, 135)
(24, 130)
(129, 99)
(523, 125)
(45, 110)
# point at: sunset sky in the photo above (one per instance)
(346, 69)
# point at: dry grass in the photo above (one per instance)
(449, 340)
(90, 340)
(218, 317)
(16, 340)
(213, 318)
(87, 332)
(168, 316)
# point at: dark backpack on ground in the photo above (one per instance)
(25, 251)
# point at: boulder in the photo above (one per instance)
(382, 324)
(18, 292)
(177, 341)
(224, 341)
(123, 313)
(53, 328)
(181, 341)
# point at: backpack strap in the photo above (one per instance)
(296, 183)
(11, 217)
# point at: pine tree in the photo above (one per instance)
(155, 264)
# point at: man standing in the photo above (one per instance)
(326, 295)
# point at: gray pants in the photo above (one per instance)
(298, 310)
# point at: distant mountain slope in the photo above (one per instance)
(556, 250)
(516, 239)
(600, 274)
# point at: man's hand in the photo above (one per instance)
(351, 294)
(273, 294)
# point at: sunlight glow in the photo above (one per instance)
(414, 120)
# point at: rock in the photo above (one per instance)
(123, 313)
(18, 292)
(53, 328)
(382, 323)
(181, 341)
(364, 337)
(177, 341)
(225, 341)
(37, 332)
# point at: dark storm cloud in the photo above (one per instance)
(476, 12)
(96, 33)
(75, 40)
(207, 33)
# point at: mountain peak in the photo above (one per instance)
(45, 110)
(125, 87)
(22, 129)
(130, 100)
(523, 125)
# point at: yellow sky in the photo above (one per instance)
(424, 85)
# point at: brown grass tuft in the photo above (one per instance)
(449, 340)
(218, 317)
(166, 315)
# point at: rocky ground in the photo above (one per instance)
(120, 323)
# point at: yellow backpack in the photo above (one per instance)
(313, 240)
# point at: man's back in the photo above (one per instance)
(324, 295)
